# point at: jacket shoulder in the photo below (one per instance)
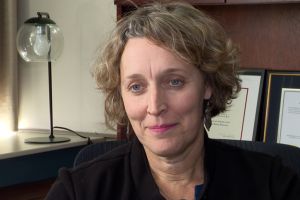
(108, 172)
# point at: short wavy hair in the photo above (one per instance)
(185, 31)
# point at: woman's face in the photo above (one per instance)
(163, 97)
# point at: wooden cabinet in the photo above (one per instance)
(29, 191)
(267, 34)
(30, 176)
(124, 6)
(267, 31)
(207, 1)
(260, 1)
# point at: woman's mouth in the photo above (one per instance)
(161, 128)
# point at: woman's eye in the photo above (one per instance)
(135, 88)
(176, 83)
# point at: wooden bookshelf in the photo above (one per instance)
(267, 31)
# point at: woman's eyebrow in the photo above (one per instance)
(134, 76)
(174, 70)
(164, 72)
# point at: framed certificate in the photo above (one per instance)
(282, 108)
(240, 120)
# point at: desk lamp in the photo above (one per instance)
(39, 39)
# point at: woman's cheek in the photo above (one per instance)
(136, 110)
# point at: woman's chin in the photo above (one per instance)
(163, 149)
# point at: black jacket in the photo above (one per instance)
(232, 174)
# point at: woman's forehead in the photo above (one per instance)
(140, 48)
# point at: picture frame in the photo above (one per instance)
(240, 121)
(282, 108)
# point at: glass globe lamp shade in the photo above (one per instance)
(40, 40)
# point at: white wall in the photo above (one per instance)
(77, 104)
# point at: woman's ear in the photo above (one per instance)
(207, 92)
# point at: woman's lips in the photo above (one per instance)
(161, 128)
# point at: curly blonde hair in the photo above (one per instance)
(184, 30)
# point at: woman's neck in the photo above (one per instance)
(176, 177)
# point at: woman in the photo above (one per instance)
(167, 69)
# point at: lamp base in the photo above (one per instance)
(46, 140)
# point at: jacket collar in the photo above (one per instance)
(145, 185)
(144, 182)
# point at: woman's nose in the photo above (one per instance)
(156, 102)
